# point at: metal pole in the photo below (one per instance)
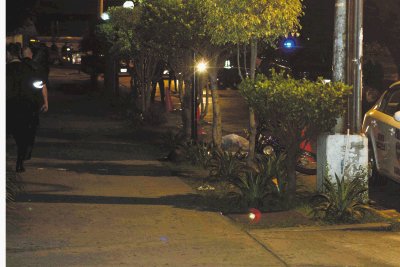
(194, 102)
(357, 61)
(339, 51)
(100, 8)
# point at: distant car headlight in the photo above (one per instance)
(124, 70)
(38, 84)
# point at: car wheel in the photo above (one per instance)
(375, 178)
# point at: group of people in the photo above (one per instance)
(26, 96)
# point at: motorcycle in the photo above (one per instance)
(307, 160)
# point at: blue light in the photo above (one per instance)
(289, 44)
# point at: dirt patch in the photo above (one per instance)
(272, 219)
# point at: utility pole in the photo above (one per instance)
(357, 64)
(339, 51)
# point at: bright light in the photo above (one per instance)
(38, 84)
(202, 66)
(289, 43)
(105, 16)
(128, 4)
(254, 215)
(68, 49)
(124, 70)
(165, 72)
(227, 64)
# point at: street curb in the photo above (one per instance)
(347, 227)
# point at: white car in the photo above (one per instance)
(382, 127)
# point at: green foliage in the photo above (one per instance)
(254, 188)
(266, 181)
(240, 21)
(199, 153)
(286, 106)
(343, 201)
(226, 166)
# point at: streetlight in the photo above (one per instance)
(200, 67)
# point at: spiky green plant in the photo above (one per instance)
(266, 178)
(343, 201)
(254, 187)
(226, 166)
(199, 153)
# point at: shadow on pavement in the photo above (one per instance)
(187, 201)
(87, 150)
(100, 168)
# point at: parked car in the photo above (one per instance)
(382, 127)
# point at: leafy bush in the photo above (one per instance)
(226, 166)
(294, 110)
(343, 201)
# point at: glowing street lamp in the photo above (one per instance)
(201, 66)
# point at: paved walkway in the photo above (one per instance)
(96, 195)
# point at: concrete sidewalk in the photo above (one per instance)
(95, 195)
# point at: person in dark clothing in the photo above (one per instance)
(158, 78)
(24, 100)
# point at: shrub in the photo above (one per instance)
(225, 165)
(343, 201)
(199, 153)
(294, 110)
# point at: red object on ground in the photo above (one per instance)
(254, 215)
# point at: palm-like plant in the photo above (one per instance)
(342, 201)
(268, 177)
(254, 187)
(226, 166)
(273, 167)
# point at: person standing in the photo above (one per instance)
(26, 96)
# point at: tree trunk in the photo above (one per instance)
(291, 160)
(217, 123)
(252, 118)
(186, 109)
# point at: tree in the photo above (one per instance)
(247, 22)
(145, 35)
(295, 111)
